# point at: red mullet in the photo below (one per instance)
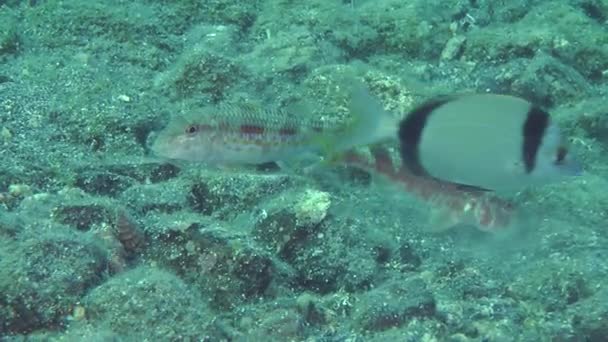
(451, 204)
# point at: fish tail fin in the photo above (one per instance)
(369, 123)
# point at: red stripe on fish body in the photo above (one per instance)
(252, 129)
(288, 131)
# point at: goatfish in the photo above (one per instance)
(450, 205)
(485, 141)
(237, 135)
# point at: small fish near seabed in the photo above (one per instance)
(485, 141)
(234, 135)
(450, 205)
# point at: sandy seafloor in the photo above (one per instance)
(101, 242)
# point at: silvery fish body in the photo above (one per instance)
(233, 135)
(487, 141)
(247, 135)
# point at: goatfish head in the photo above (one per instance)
(185, 138)
(486, 141)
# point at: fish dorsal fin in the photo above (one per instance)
(467, 187)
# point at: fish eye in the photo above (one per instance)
(561, 155)
(191, 129)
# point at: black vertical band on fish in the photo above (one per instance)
(484, 141)
(533, 131)
(410, 133)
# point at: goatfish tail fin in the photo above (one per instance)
(369, 124)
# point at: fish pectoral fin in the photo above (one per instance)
(471, 188)
(302, 162)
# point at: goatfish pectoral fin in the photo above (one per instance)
(300, 162)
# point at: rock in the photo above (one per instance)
(278, 54)
(112, 180)
(311, 208)
(103, 183)
(10, 225)
(291, 218)
(9, 40)
(42, 276)
(226, 269)
(561, 282)
(453, 48)
(226, 195)
(567, 32)
(592, 119)
(394, 304)
(278, 325)
(408, 256)
(164, 197)
(82, 216)
(202, 70)
(71, 207)
(590, 318)
(145, 304)
(547, 81)
(206, 200)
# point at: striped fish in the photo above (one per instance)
(246, 135)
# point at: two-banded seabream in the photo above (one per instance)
(487, 141)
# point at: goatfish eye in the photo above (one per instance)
(191, 129)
